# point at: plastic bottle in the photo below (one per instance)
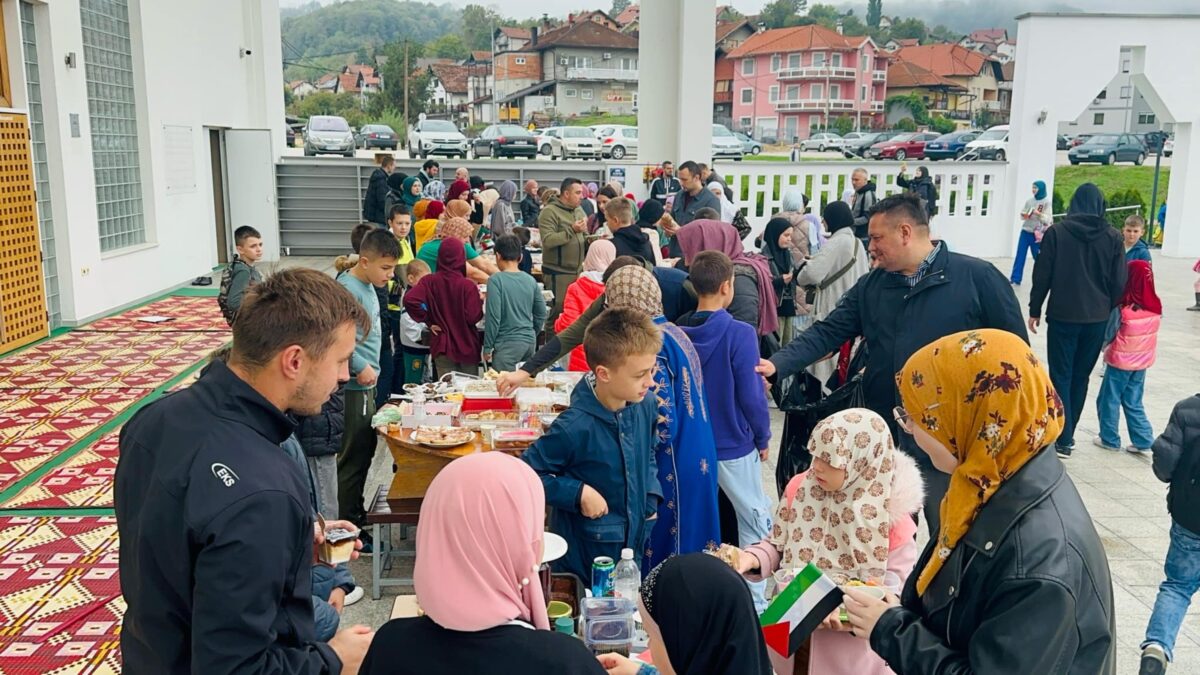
(627, 577)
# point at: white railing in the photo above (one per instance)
(970, 196)
(602, 74)
(787, 104)
(815, 72)
(876, 106)
(879, 75)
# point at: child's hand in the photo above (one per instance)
(617, 664)
(367, 377)
(591, 503)
(747, 562)
(435, 329)
(487, 357)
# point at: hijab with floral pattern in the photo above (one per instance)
(846, 529)
(634, 287)
(985, 396)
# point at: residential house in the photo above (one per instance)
(480, 85)
(328, 82)
(519, 88)
(978, 74)
(729, 36)
(630, 19)
(367, 79)
(301, 88)
(885, 22)
(789, 81)
(424, 62)
(596, 16)
(347, 83)
(895, 45)
(511, 38)
(448, 91)
(587, 66)
(1118, 108)
(992, 42)
(939, 94)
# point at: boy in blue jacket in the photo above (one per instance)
(597, 460)
(741, 423)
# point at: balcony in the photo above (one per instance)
(879, 76)
(876, 106)
(602, 74)
(723, 97)
(991, 105)
(816, 72)
(798, 104)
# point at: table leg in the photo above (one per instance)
(376, 563)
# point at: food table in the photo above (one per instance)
(417, 464)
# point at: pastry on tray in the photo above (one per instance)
(442, 435)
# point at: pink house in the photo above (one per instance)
(788, 80)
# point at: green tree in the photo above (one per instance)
(912, 103)
(874, 13)
(288, 96)
(906, 124)
(782, 13)
(942, 125)
(478, 22)
(940, 33)
(392, 98)
(909, 28)
(618, 6)
(843, 125)
(728, 13)
(449, 46)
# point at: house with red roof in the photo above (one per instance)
(991, 42)
(977, 74)
(789, 81)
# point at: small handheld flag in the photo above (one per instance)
(797, 611)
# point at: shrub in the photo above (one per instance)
(1124, 198)
(906, 124)
(942, 125)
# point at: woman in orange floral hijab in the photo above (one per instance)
(1016, 580)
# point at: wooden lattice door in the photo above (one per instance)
(22, 295)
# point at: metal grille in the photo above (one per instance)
(108, 56)
(22, 301)
(41, 178)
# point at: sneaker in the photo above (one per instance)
(354, 596)
(367, 542)
(1137, 451)
(1154, 660)
(1101, 444)
(1064, 452)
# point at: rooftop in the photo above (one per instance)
(905, 74)
(797, 38)
(584, 34)
(452, 76)
(947, 60)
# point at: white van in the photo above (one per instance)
(991, 144)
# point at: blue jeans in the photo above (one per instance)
(1073, 349)
(741, 481)
(1175, 593)
(1025, 243)
(325, 616)
(1123, 389)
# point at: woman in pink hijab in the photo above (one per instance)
(479, 545)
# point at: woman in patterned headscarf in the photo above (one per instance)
(685, 450)
(1016, 580)
(850, 513)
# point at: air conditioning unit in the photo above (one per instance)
(607, 56)
(564, 61)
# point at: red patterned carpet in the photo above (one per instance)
(187, 314)
(98, 360)
(84, 481)
(60, 596)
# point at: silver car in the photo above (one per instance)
(822, 141)
(619, 143)
(328, 135)
(725, 145)
(569, 142)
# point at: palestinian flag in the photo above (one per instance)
(797, 611)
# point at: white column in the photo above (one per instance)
(1182, 237)
(675, 80)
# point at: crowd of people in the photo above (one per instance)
(685, 333)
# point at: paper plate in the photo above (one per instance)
(554, 547)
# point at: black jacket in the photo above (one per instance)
(531, 208)
(958, 293)
(663, 187)
(321, 434)
(376, 197)
(1082, 266)
(924, 188)
(864, 201)
(1176, 453)
(632, 240)
(216, 536)
(1026, 590)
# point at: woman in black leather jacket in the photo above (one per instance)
(1016, 580)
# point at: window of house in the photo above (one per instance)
(818, 91)
(836, 60)
(794, 60)
(818, 59)
(835, 91)
(864, 92)
(792, 92)
(744, 122)
(1146, 118)
(585, 94)
(112, 108)
(1125, 66)
(866, 63)
(723, 85)
(570, 92)
(1126, 91)
(747, 95)
(520, 60)
(1098, 118)
(773, 92)
(747, 66)
(775, 60)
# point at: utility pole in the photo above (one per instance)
(407, 72)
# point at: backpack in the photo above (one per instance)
(741, 224)
(223, 297)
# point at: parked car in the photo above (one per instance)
(436, 137)
(622, 142)
(568, 142)
(1109, 149)
(749, 145)
(291, 136)
(1062, 143)
(1168, 147)
(1080, 139)
(902, 147)
(376, 136)
(545, 143)
(991, 144)
(949, 146)
(724, 144)
(1153, 140)
(822, 141)
(504, 140)
(328, 135)
(858, 147)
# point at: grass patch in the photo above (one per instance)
(1111, 179)
(592, 120)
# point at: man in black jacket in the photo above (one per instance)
(1082, 267)
(666, 185)
(917, 292)
(864, 200)
(375, 200)
(215, 520)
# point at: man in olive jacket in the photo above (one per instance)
(562, 225)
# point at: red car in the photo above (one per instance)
(904, 146)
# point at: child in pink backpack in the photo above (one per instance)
(1127, 358)
(856, 467)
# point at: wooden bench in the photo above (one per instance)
(380, 518)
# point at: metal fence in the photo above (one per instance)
(320, 198)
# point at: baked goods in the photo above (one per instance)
(512, 439)
(442, 436)
(730, 555)
(338, 546)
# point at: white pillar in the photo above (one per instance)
(1182, 237)
(675, 80)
